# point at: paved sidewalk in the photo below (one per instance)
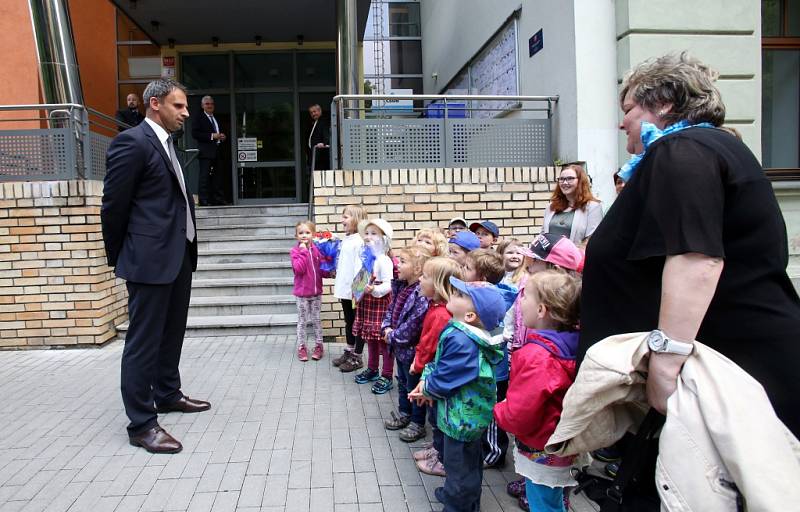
(281, 435)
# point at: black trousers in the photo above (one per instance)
(210, 187)
(463, 462)
(157, 323)
(349, 318)
(495, 439)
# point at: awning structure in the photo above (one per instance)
(238, 21)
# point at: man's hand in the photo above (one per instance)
(320, 145)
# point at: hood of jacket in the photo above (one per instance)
(562, 344)
(492, 347)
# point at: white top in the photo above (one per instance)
(383, 271)
(551, 476)
(347, 266)
(161, 133)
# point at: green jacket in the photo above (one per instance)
(461, 379)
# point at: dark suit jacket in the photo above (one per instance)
(321, 133)
(128, 116)
(143, 211)
(202, 128)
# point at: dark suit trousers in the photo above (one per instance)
(157, 323)
(209, 188)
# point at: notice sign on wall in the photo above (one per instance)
(246, 143)
(535, 43)
(248, 156)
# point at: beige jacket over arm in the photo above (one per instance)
(720, 428)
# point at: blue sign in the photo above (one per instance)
(535, 43)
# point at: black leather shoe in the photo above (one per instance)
(185, 404)
(156, 440)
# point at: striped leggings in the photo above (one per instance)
(308, 309)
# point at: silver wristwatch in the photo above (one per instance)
(659, 342)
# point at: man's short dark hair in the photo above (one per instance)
(160, 89)
(314, 105)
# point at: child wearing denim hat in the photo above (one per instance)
(461, 380)
(461, 244)
(486, 231)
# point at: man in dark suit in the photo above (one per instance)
(149, 234)
(205, 130)
(131, 115)
(320, 138)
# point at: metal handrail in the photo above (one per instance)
(473, 97)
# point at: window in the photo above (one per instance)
(404, 20)
(138, 60)
(780, 107)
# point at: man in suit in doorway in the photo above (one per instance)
(131, 115)
(149, 233)
(206, 131)
(319, 138)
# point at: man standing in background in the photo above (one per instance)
(205, 130)
(131, 115)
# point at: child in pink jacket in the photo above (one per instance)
(307, 288)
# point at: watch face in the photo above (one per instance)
(656, 341)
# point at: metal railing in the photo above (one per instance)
(434, 130)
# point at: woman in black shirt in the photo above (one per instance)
(695, 244)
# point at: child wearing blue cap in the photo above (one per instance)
(461, 244)
(486, 231)
(461, 380)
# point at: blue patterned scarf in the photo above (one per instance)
(651, 133)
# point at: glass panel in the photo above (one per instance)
(372, 52)
(269, 117)
(793, 18)
(205, 71)
(377, 27)
(127, 30)
(405, 57)
(138, 61)
(404, 20)
(314, 69)
(263, 70)
(266, 182)
(780, 137)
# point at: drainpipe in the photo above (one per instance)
(347, 46)
(55, 49)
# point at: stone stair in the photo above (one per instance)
(243, 283)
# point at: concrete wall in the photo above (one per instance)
(726, 34)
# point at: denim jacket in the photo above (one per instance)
(405, 335)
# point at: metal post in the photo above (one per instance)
(347, 47)
(55, 49)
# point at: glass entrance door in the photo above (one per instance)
(265, 147)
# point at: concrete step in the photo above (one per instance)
(243, 305)
(204, 232)
(264, 210)
(211, 256)
(242, 286)
(229, 220)
(238, 270)
(246, 242)
(203, 326)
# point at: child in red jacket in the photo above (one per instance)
(434, 284)
(541, 372)
(307, 288)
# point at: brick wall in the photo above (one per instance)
(55, 287)
(411, 199)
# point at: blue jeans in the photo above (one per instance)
(463, 462)
(543, 498)
(407, 382)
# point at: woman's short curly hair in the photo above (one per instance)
(681, 81)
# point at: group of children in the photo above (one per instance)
(443, 314)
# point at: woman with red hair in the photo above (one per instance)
(573, 211)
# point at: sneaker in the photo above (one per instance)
(522, 502)
(611, 469)
(413, 432)
(516, 488)
(319, 350)
(431, 466)
(610, 454)
(302, 353)
(368, 375)
(438, 493)
(354, 362)
(397, 422)
(342, 358)
(425, 453)
(382, 385)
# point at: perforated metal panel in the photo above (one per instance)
(98, 146)
(498, 142)
(389, 143)
(47, 154)
(409, 143)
